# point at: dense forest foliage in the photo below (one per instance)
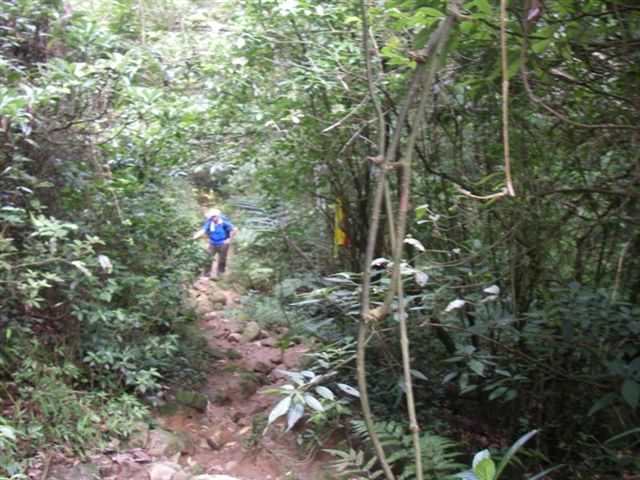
(449, 191)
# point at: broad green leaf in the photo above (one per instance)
(414, 243)
(483, 6)
(455, 304)
(540, 46)
(485, 469)
(449, 376)
(430, 12)
(82, 267)
(325, 393)
(421, 278)
(378, 262)
(7, 432)
(294, 414)
(348, 389)
(513, 450)
(477, 366)
(514, 67)
(313, 402)
(421, 211)
(492, 290)
(603, 402)
(419, 375)
(280, 409)
(497, 393)
(633, 431)
(479, 457)
(631, 392)
(105, 263)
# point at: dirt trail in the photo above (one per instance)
(217, 432)
(227, 437)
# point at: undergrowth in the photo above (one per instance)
(103, 327)
(439, 454)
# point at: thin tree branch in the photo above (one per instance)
(427, 77)
(467, 193)
(505, 97)
(616, 285)
(371, 241)
(348, 115)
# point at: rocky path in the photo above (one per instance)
(215, 433)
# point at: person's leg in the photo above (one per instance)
(213, 270)
(222, 258)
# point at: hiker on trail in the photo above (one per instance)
(220, 232)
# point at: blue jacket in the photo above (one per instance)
(217, 232)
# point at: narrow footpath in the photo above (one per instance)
(215, 433)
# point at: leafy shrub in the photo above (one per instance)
(9, 435)
(438, 454)
(266, 310)
(469, 355)
(306, 394)
(192, 361)
(95, 259)
(50, 409)
(99, 314)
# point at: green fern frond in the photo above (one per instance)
(390, 433)
(438, 453)
(351, 464)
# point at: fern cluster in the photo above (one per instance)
(438, 454)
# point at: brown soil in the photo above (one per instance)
(228, 437)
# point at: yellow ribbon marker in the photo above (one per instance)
(340, 238)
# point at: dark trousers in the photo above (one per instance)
(219, 253)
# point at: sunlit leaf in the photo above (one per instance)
(485, 469)
(7, 432)
(348, 389)
(455, 304)
(418, 374)
(82, 267)
(294, 414)
(477, 366)
(105, 263)
(313, 402)
(421, 278)
(379, 262)
(479, 457)
(414, 243)
(449, 376)
(492, 290)
(280, 409)
(325, 393)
